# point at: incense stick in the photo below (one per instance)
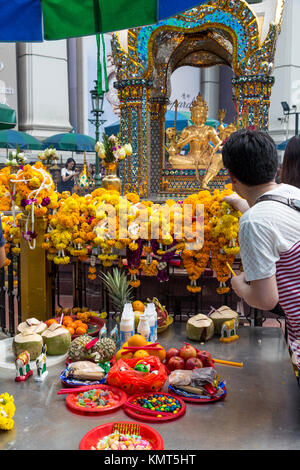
(228, 363)
(230, 269)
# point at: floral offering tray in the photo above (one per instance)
(191, 398)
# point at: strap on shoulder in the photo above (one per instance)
(293, 203)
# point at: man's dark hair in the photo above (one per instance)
(251, 156)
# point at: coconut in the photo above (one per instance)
(32, 325)
(199, 328)
(221, 315)
(27, 341)
(57, 338)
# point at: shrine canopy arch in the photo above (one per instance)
(220, 32)
(236, 28)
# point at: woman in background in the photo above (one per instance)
(2, 249)
(290, 171)
(68, 175)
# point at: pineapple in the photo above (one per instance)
(118, 288)
(102, 351)
(77, 351)
(106, 347)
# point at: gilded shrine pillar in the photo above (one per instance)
(252, 97)
(35, 275)
(157, 107)
(135, 129)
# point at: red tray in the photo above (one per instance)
(99, 322)
(153, 419)
(92, 437)
(70, 402)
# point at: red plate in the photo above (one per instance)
(72, 397)
(94, 435)
(151, 418)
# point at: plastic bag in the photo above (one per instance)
(180, 377)
(123, 375)
(203, 376)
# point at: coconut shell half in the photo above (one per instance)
(32, 325)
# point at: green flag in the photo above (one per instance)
(73, 18)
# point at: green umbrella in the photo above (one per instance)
(9, 139)
(71, 141)
(7, 117)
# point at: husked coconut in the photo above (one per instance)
(32, 325)
(57, 338)
(221, 315)
(199, 328)
(27, 341)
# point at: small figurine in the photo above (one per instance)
(228, 331)
(41, 366)
(23, 370)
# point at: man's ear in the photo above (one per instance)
(232, 177)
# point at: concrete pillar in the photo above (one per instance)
(82, 87)
(43, 88)
(286, 73)
(210, 80)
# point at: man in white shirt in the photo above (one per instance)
(269, 231)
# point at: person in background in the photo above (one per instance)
(2, 249)
(93, 170)
(290, 170)
(68, 176)
(269, 230)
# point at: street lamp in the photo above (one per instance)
(97, 111)
(287, 112)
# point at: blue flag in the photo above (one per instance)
(20, 21)
(169, 8)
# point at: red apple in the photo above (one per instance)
(175, 363)
(193, 363)
(205, 358)
(187, 351)
(172, 352)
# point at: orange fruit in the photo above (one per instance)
(161, 354)
(138, 306)
(125, 345)
(137, 340)
(77, 323)
(127, 356)
(67, 318)
(140, 354)
(80, 330)
(118, 354)
(67, 322)
(49, 322)
(71, 330)
(85, 326)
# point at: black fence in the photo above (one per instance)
(10, 294)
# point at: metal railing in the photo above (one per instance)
(10, 295)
